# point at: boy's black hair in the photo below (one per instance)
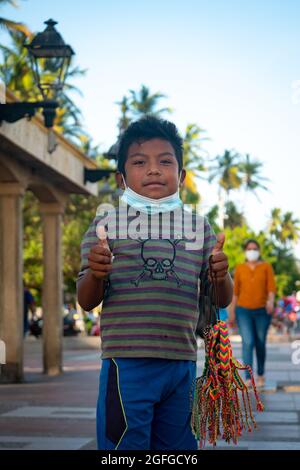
(147, 128)
(251, 240)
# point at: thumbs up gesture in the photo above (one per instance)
(219, 259)
(100, 257)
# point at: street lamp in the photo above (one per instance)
(50, 58)
(50, 55)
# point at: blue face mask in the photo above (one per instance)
(149, 205)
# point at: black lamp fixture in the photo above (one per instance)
(112, 152)
(50, 58)
(94, 175)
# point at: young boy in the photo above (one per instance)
(150, 296)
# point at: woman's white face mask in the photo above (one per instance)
(252, 255)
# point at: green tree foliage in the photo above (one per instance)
(138, 104)
(226, 169)
(284, 228)
(193, 162)
(275, 242)
(284, 232)
(233, 217)
(79, 214)
(252, 179)
(212, 216)
(235, 241)
(32, 245)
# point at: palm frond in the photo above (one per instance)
(14, 26)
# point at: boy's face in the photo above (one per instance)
(151, 169)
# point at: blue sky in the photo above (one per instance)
(229, 66)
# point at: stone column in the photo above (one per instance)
(52, 287)
(11, 282)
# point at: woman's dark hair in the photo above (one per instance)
(147, 128)
(251, 240)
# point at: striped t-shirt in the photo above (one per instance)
(150, 306)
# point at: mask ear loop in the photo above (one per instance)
(179, 179)
(124, 181)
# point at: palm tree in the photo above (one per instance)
(143, 103)
(213, 216)
(138, 104)
(234, 218)
(290, 228)
(15, 68)
(12, 26)
(193, 162)
(284, 228)
(227, 173)
(275, 221)
(124, 120)
(250, 171)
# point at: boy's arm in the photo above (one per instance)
(236, 293)
(220, 272)
(90, 291)
(225, 290)
(96, 264)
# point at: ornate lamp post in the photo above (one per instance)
(50, 58)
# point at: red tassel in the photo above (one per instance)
(260, 407)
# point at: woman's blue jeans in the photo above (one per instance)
(253, 326)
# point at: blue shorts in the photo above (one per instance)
(145, 404)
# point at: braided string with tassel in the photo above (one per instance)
(217, 410)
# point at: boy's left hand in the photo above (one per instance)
(219, 259)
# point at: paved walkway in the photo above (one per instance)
(59, 412)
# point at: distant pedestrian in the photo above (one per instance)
(29, 304)
(253, 305)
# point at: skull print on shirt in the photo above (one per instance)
(160, 266)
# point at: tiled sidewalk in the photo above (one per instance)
(53, 412)
(59, 412)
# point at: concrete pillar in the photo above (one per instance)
(52, 300)
(11, 282)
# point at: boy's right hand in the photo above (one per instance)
(100, 259)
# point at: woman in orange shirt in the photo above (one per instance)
(253, 305)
